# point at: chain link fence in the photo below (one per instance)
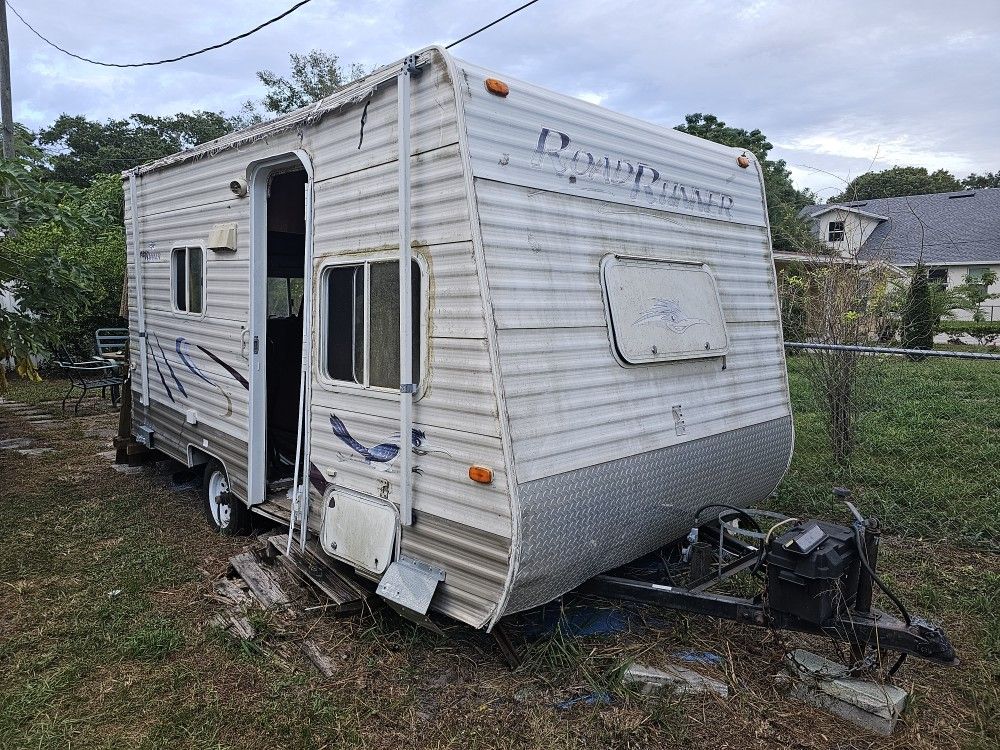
(915, 437)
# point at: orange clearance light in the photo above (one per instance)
(481, 474)
(497, 87)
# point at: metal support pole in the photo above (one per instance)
(5, 103)
(890, 350)
(406, 385)
(140, 298)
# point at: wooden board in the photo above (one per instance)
(261, 582)
(337, 585)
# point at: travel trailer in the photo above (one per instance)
(479, 340)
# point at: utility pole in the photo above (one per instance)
(5, 105)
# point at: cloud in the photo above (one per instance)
(829, 85)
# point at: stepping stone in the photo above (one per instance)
(15, 443)
(34, 451)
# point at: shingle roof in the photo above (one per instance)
(950, 228)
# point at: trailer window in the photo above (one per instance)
(187, 273)
(362, 323)
(660, 310)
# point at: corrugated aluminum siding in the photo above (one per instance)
(570, 403)
(575, 413)
(460, 526)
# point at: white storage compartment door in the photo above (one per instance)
(662, 310)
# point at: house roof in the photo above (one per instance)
(811, 212)
(945, 228)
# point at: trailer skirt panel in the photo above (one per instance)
(581, 523)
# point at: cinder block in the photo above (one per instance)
(674, 679)
(826, 685)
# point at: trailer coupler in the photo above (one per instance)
(814, 577)
(920, 638)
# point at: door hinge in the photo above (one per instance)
(256, 346)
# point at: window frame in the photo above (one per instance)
(690, 357)
(934, 276)
(322, 309)
(187, 279)
(830, 231)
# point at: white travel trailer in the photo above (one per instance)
(589, 347)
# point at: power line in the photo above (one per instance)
(244, 35)
(492, 23)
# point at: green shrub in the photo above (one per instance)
(918, 312)
(985, 334)
(971, 327)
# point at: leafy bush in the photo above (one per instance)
(93, 251)
(971, 327)
(985, 333)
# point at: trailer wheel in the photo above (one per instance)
(226, 512)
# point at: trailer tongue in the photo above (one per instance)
(814, 577)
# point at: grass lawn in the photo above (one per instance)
(104, 584)
(928, 456)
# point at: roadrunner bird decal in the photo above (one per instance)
(667, 313)
(382, 455)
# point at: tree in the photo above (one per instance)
(45, 290)
(96, 248)
(313, 76)
(78, 149)
(897, 182)
(977, 181)
(918, 317)
(784, 200)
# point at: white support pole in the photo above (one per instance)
(406, 387)
(302, 443)
(140, 303)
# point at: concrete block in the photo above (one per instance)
(827, 685)
(672, 678)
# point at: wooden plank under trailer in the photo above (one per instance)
(339, 584)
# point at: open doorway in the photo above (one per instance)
(286, 253)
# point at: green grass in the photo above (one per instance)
(928, 455)
(105, 641)
(35, 392)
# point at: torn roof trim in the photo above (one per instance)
(354, 93)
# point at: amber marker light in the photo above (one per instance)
(481, 474)
(497, 87)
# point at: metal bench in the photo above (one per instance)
(91, 375)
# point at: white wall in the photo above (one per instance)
(956, 277)
(857, 229)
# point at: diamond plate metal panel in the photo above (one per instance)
(584, 522)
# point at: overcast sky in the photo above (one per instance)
(834, 86)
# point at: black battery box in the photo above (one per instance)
(812, 571)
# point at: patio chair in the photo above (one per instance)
(110, 343)
(91, 375)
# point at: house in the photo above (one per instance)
(956, 234)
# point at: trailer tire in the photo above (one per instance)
(225, 512)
